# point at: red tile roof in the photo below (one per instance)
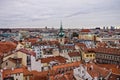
(96, 71)
(67, 47)
(89, 50)
(15, 71)
(27, 52)
(85, 30)
(67, 65)
(14, 60)
(7, 46)
(115, 68)
(39, 75)
(32, 40)
(81, 45)
(108, 50)
(68, 75)
(74, 54)
(101, 44)
(60, 59)
(114, 77)
(47, 43)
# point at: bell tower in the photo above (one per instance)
(61, 34)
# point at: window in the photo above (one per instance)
(40, 52)
(87, 55)
(40, 56)
(91, 55)
(6, 63)
(19, 74)
(25, 78)
(28, 60)
(60, 40)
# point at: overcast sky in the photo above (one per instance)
(73, 13)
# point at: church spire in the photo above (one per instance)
(61, 32)
(61, 28)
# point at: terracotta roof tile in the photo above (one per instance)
(96, 71)
(14, 60)
(15, 71)
(74, 54)
(67, 65)
(67, 47)
(101, 44)
(7, 46)
(108, 50)
(115, 68)
(56, 58)
(29, 52)
(85, 30)
(81, 45)
(114, 77)
(32, 40)
(39, 75)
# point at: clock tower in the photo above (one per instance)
(61, 34)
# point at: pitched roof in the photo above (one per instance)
(60, 59)
(67, 65)
(74, 54)
(82, 45)
(21, 70)
(96, 71)
(15, 71)
(114, 77)
(54, 42)
(67, 47)
(89, 50)
(66, 76)
(114, 68)
(32, 40)
(7, 46)
(29, 52)
(14, 60)
(101, 44)
(39, 75)
(105, 50)
(85, 30)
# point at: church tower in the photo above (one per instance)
(61, 34)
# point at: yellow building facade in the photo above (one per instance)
(88, 56)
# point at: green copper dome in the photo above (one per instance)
(61, 32)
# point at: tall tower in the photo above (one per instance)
(61, 34)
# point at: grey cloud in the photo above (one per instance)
(38, 12)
